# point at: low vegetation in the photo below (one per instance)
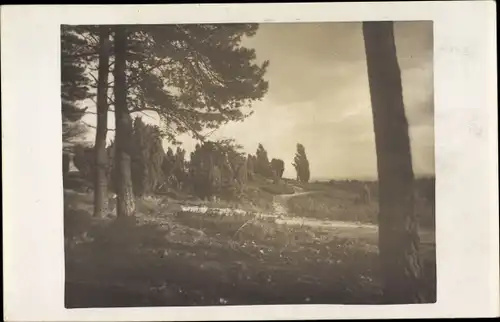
(179, 252)
(340, 200)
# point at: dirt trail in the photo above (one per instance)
(280, 202)
(280, 215)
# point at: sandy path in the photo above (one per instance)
(280, 216)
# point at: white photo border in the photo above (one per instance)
(465, 150)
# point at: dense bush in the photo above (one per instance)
(262, 166)
(278, 167)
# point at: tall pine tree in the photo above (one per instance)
(148, 158)
(250, 167)
(123, 123)
(193, 76)
(101, 161)
(75, 87)
(398, 226)
(179, 170)
(261, 164)
(301, 164)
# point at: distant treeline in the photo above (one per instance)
(215, 168)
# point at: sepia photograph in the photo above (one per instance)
(258, 161)
(244, 164)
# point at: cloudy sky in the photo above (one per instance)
(319, 96)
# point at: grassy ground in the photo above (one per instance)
(340, 201)
(173, 257)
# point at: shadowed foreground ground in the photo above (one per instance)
(186, 258)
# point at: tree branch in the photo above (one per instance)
(92, 126)
(93, 37)
(110, 84)
(143, 113)
(83, 55)
(95, 79)
(133, 81)
(94, 113)
(210, 133)
(110, 100)
(176, 117)
(90, 39)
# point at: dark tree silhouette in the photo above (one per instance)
(262, 165)
(278, 166)
(168, 165)
(84, 161)
(204, 170)
(301, 164)
(193, 76)
(101, 180)
(74, 89)
(125, 206)
(75, 84)
(250, 166)
(398, 231)
(211, 78)
(179, 170)
(66, 162)
(147, 159)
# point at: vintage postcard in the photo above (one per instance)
(300, 161)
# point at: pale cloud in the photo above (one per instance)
(319, 96)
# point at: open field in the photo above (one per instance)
(235, 253)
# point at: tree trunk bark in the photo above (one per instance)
(101, 156)
(398, 227)
(65, 165)
(125, 197)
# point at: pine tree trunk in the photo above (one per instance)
(398, 229)
(125, 197)
(65, 165)
(101, 156)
